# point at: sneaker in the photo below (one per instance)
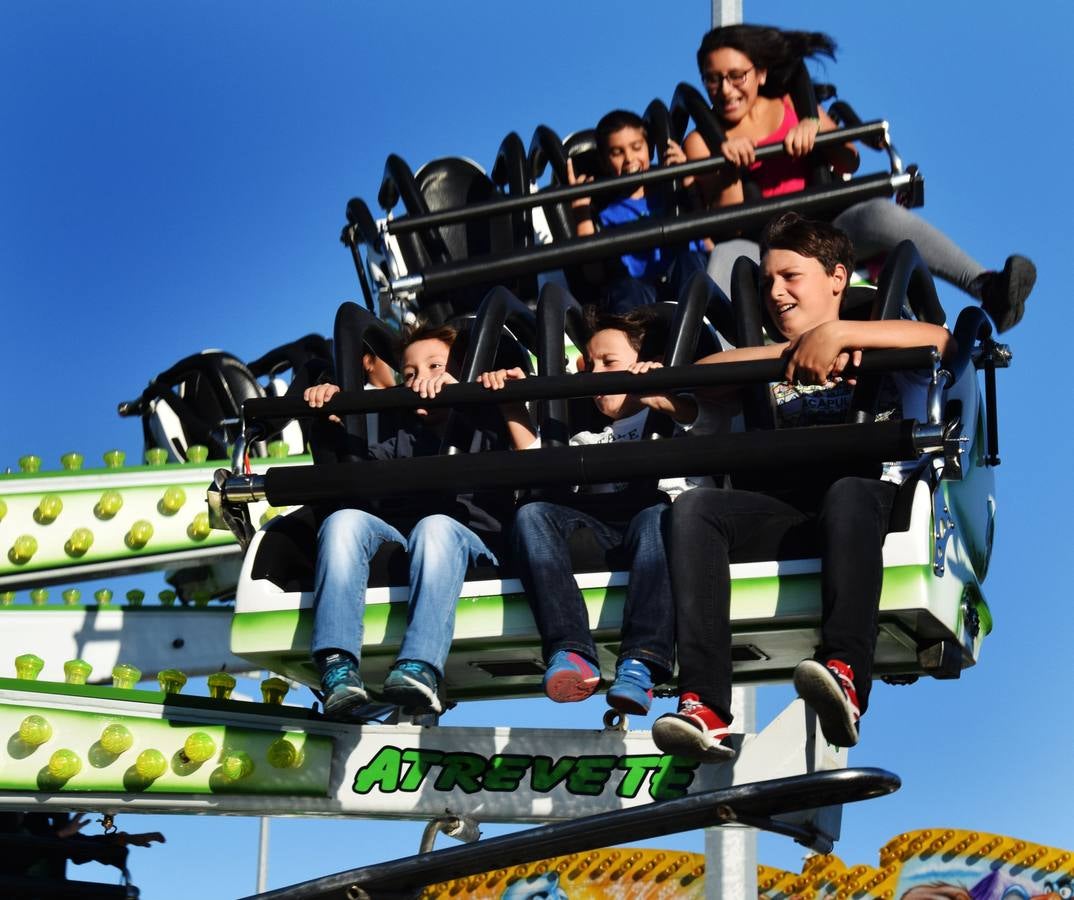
(343, 690)
(413, 686)
(632, 690)
(828, 689)
(1003, 294)
(694, 732)
(570, 677)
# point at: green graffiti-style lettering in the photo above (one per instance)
(672, 778)
(421, 762)
(505, 771)
(382, 771)
(636, 768)
(546, 775)
(461, 770)
(590, 775)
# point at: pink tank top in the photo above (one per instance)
(781, 175)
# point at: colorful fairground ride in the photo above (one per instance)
(496, 255)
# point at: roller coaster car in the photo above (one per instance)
(933, 615)
(199, 399)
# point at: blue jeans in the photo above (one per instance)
(440, 551)
(540, 548)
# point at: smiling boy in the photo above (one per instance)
(805, 267)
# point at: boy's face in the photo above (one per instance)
(627, 152)
(425, 359)
(610, 351)
(798, 293)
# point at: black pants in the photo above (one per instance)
(708, 525)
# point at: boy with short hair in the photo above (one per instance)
(541, 532)
(805, 267)
(646, 276)
(440, 546)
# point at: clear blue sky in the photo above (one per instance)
(173, 177)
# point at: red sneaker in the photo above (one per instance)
(694, 732)
(828, 689)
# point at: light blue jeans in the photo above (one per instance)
(440, 551)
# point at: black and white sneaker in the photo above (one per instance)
(414, 687)
(828, 689)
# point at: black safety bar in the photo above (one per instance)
(558, 314)
(974, 345)
(360, 229)
(717, 224)
(759, 801)
(599, 188)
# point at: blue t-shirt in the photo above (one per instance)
(646, 265)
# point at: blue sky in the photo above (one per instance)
(173, 177)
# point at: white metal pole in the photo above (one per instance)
(731, 851)
(726, 12)
(262, 856)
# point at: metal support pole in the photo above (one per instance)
(726, 12)
(731, 850)
(262, 856)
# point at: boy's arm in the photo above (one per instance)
(582, 208)
(517, 418)
(822, 352)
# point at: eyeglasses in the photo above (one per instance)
(735, 79)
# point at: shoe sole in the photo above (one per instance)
(680, 738)
(413, 698)
(821, 692)
(624, 703)
(570, 686)
(348, 702)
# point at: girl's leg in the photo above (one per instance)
(853, 522)
(441, 549)
(346, 542)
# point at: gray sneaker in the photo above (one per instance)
(343, 690)
(413, 686)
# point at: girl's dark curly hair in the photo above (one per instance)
(773, 49)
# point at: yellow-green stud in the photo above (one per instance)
(72, 461)
(35, 730)
(23, 550)
(269, 514)
(139, 535)
(135, 597)
(167, 598)
(202, 598)
(28, 666)
(71, 596)
(79, 542)
(114, 459)
(39, 596)
(172, 501)
(156, 456)
(171, 681)
(221, 685)
(125, 676)
(150, 764)
(29, 463)
(76, 671)
(64, 764)
(273, 690)
(48, 509)
(7, 598)
(283, 754)
(278, 449)
(3, 509)
(236, 765)
(103, 596)
(198, 529)
(197, 453)
(117, 739)
(199, 747)
(110, 503)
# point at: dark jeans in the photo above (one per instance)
(708, 525)
(626, 292)
(540, 549)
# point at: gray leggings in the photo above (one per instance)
(875, 226)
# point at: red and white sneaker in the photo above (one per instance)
(828, 689)
(694, 732)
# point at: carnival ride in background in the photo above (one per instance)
(498, 256)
